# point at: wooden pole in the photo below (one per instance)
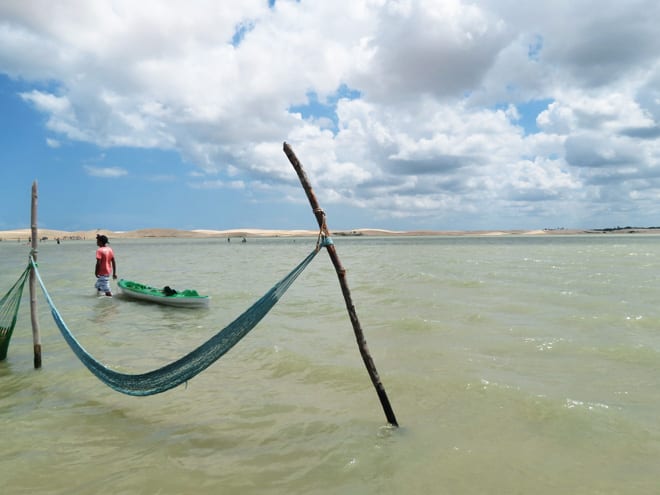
(341, 274)
(36, 337)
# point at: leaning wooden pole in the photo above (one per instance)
(36, 337)
(341, 274)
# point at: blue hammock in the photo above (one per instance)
(185, 368)
(9, 306)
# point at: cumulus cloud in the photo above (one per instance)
(434, 127)
(427, 47)
(105, 172)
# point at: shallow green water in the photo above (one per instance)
(514, 365)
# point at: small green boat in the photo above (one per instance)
(188, 298)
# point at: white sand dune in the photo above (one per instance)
(51, 234)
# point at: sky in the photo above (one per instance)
(406, 114)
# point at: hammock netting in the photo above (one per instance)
(186, 367)
(9, 306)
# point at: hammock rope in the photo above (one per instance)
(193, 363)
(9, 306)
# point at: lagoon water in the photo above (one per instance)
(515, 365)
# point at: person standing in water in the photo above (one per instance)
(105, 264)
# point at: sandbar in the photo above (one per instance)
(53, 234)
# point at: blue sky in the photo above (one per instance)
(407, 114)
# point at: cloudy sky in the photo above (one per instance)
(408, 114)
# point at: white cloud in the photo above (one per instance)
(435, 133)
(105, 172)
(428, 47)
(208, 184)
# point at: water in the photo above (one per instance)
(515, 365)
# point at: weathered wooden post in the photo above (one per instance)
(341, 274)
(36, 337)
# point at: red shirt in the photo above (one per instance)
(105, 255)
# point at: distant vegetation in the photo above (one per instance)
(615, 229)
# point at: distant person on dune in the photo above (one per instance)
(105, 264)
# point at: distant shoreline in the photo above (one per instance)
(51, 234)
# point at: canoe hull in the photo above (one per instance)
(141, 292)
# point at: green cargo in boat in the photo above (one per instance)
(188, 298)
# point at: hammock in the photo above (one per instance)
(186, 367)
(9, 305)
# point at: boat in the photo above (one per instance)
(188, 298)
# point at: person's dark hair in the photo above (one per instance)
(102, 238)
